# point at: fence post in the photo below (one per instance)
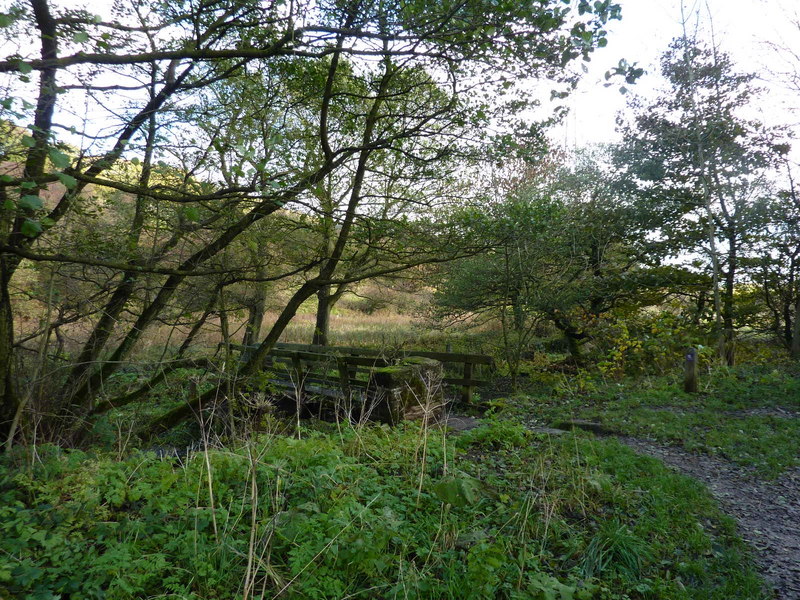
(466, 393)
(690, 372)
(344, 377)
(297, 367)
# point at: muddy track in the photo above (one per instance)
(768, 512)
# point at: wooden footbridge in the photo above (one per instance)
(340, 372)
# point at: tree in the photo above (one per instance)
(242, 107)
(693, 153)
(568, 246)
(775, 269)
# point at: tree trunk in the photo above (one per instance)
(519, 314)
(573, 337)
(729, 334)
(784, 328)
(255, 314)
(574, 346)
(795, 348)
(9, 400)
(322, 325)
(701, 306)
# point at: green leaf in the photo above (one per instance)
(47, 222)
(24, 67)
(31, 202)
(9, 205)
(60, 160)
(191, 213)
(31, 228)
(6, 178)
(28, 141)
(68, 180)
(457, 491)
(5, 20)
(80, 37)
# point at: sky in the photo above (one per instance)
(742, 28)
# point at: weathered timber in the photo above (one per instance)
(309, 363)
(690, 372)
(466, 390)
(445, 357)
(409, 390)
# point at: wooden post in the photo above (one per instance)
(466, 393)
(410, 390)
(344, 376)
(690, 373)
(297, 367)
(193, 394)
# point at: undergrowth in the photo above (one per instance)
(747, 414)
(366, 512)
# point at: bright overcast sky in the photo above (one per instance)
(741, 27)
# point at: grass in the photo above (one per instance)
(748, 415)
(367, 512)
(336, 511)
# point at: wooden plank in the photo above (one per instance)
(457, 380)
(299, 374)
(351, 350)
(451, 357)
(466, 390)
(329, 381)
(309, 356)
(344, 379)
(365, 361)
(446, 357)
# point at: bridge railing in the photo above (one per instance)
(313, 365)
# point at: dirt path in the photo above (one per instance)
(768, 512)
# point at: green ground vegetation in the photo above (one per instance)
(369, 512)
(746, 414)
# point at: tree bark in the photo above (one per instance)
(323, 321)
(34, 168)
(9, 399)
(255, 317)
(729, 333)
(324, 309)
(795, 348)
